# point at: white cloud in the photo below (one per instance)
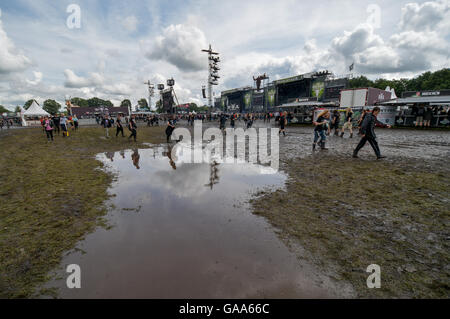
(181, 46)
(112, 58)
(11, 60)
(37, 78)
(426, 16)
(361, 38)
(74, 81)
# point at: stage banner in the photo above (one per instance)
(270, 96)
(223, 102)
(247, 100)
(318, 89)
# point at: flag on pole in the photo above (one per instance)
(352, 66)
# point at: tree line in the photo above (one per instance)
(428, 81)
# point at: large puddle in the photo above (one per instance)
(186, 231)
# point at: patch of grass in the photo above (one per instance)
(51, 196)
(353, 213)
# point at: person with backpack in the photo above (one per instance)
(48, 127)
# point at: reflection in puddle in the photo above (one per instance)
(185, 231)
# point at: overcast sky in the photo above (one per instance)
(121, 44)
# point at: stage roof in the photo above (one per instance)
(416, 100)
(309, 103)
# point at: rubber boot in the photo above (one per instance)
(342, 134)
(322, 146)
(351, 135)
(314, 146)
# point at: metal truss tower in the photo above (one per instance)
(213, 60)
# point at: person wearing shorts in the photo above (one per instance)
(348, 122)
(420, 114)
(63, 123)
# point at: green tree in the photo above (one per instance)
(79, 102)
(193, 107)
(27, 105)
(158, 106)
(18, 109)
(96, 102)
(143, 104)
(3, 109)
(51, 106)
(360, 82)
(126, 103)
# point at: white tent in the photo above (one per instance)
(35, 110)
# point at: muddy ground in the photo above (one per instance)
(351, 213)
(51, 196)
(345, 213)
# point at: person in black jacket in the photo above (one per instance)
(132, 126)
(106, 123)
(119, 126)
(170, 128)
(368, 133)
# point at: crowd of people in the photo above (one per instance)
(6, 122)
(327, 122)
(59, 124)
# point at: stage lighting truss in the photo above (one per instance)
(171, 82)
(213, 59)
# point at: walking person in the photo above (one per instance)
(75, 122)
(320, 129)
(56, 123)
(132, 126)
(63, 123)
(336, 120)
(170, 128)
(361, 120)
(222, 120)
(48, 126)
(232, 121)
(348, 122)
(283, 122)
(368, 133)
(106, 123)
(119, 126)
